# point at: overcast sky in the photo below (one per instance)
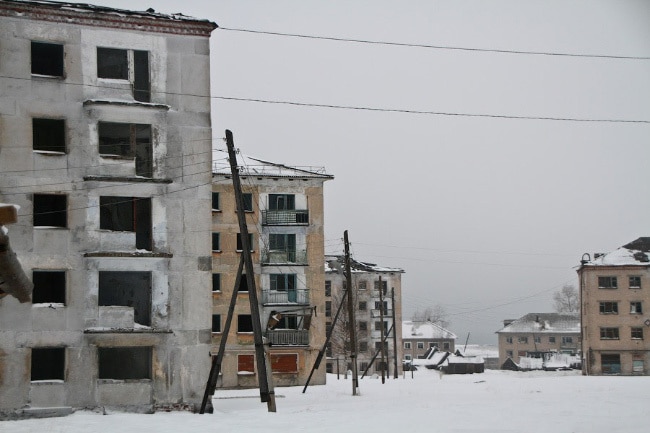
(487, 216)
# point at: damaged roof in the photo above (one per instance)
(335, 263)
(550, 323)
(249, 166)
(425, 330)
(636, 252)
(103, 16)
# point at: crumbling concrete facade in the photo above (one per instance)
(284, 215)
(105, 142)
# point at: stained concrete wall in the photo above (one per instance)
(179, 334)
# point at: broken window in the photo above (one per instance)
(610, 363)
(363, 347)
(50, 210)
(248, 201)
(636, 307)
(362, 305)
(607, 283)
(378, 306)
(128, 289)
(124, 363)
(215, 201)
(216, 323)
(240, 247)
(282, 202)
(328, 288)
(216, 282)
(378, 326)
(215, 242)
(283, 282)
(127, 214)
(635, 282)
(328, 308)
(608, 308)
(245, 363)
(384, 286)
(637, 334)
(288, 321)
(284, 363)
(131, 65)
(243, 284)
(244, 323)
(48, 135)
(48, 363)
(128, 140)
(283, 246)
(362, 285)
(47, 59)
(363, 326)
(49, 287)
(609, 333)
(378, 346)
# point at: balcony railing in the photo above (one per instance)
(280, 257)
(375, 312)
(285, 217)
(300, 296)
(288, 337)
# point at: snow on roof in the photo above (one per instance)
(425, 330)
(633, 253)
(334, 263)
(550, 323)
(249, 166)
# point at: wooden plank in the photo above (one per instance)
(8, 214)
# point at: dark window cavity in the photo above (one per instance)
(49, 287)
(328, 288)
(283, 282)
(244, 323)
(50, 210)
(637, 334)
(215, 201)
(635, 282)
(216, 282)
(141, 85)
(328, 308)
(240, 246)
(362, 306)
(112, 63)
(47, 59)
(607, 283)
(609, 334)
(124, 363)
(608, 308)
(48, 135)
(128, 289)
(282, 202)
(126, 140)
(215, 242)
(243, 284)
(48, 363)
(248, 201)
(611, 363)
(384, 286)
(216, 323)
(127, 214)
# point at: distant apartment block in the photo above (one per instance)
(104, 129)
(377, 293)
(420, 337)
(284, 216)
(537, 334)
(615, 301)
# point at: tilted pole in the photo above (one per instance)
(266, 389)
(392, 302)
(352, 324)
(382, 332)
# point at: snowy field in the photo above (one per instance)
(495, 401)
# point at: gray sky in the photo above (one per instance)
(488, 216)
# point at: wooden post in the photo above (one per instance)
(266, 389)
(381, 327)
(392, 302)
(352, 324)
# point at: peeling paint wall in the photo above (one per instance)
(179, 190)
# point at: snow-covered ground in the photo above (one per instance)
(495, 401)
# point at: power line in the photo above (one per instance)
(430, 113)
(436, 47)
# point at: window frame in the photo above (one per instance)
(407, 345)
(634, 281)
(608, 282)
(608, 307)
(247, 202)
(636, 307)
(638, 330)
(610, 333)
(240, 248)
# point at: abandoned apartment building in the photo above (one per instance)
(377, 295)
(284, 216)
(105, 139)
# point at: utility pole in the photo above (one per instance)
(352, 324)
(382, 344)
(392, 303)
(266, 387)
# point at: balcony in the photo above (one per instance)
(285, 217)
(284, 257)
(288, 337)
(300, 297)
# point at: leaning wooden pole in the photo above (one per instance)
(218, 360)
(352, 324)
(382, 348)
(266, 388)
(392, 303)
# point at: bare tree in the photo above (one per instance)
(436, 314)
(566, 299)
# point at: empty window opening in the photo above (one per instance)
(216, 323)
(47, 59)
(636, 307)
(215, 201)
(131, 65)
(282, 202)
(127, 214)
(328, 288)
(50, 210)
(378, 306)
(362, 305)
(248, 201)
(216, 282)
(216, 244)
(384, 286)
(284, 363)
(49, 287)
(378, 346)
(244, 323)
(126, 140)
(128, 289)
(48, 363)
(48, 135)
(124, 363)
(240, 246)
(245, 363)
(610, 363)
(363, 326)
(243, 284)
(328, 308)
(288, 321)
